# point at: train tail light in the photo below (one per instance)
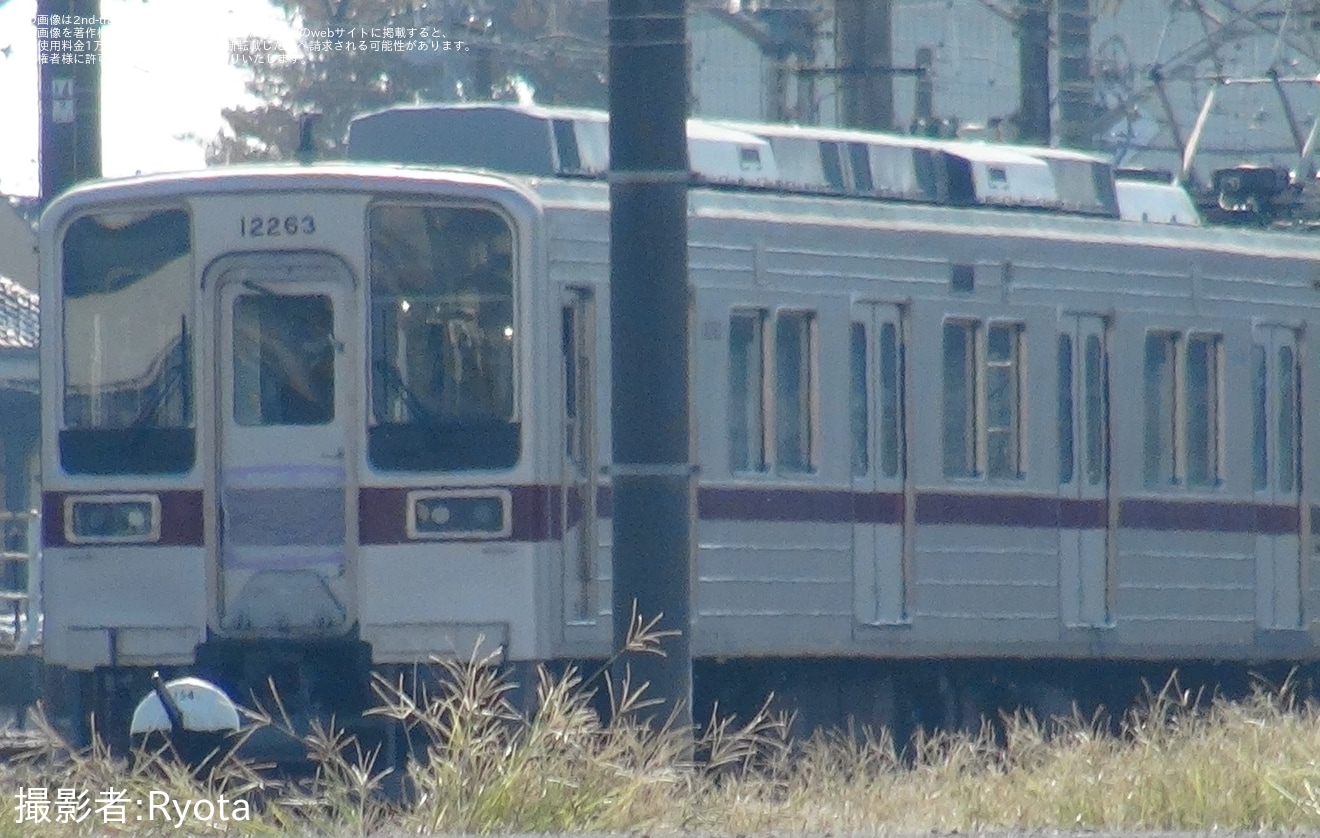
(111, 519)
(465, 514)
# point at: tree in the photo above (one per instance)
(554, 47)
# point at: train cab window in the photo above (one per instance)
(747, 390)
(442, 339)
(794, 391)
(128, 286)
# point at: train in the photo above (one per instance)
(973, 422)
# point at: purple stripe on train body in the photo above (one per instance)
(987, 510)
(537, 512)
(824, 506)
(383, 513)
(757, 504)
(877, 508)
(1209, 516)
(1012, 511)
(180, 517)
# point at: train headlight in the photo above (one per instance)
(461, 514)
(111, 519)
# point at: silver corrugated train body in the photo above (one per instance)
(306, 422)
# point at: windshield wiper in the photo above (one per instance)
(170, 381)
(430, 421)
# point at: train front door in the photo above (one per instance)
(577, 506)
(1277, 476)
(1086, 512)
(283, 532)
(882, 494)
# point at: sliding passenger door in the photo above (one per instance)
(1086, 510)
(1277, 475)
(882, 498)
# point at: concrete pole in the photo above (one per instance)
(865, 39)
(654, 497)
(1034, 72)
(70, 99)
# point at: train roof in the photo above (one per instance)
(588, 194)
(555, 141)
(1160, 203)
(539, 140)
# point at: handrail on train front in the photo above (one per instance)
(31, 597)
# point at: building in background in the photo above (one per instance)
(19, 405)
(759, 65)
(19, 420)
(18, 241)
(19, 408)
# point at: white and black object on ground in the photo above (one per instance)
(193, 715)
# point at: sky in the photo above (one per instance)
(165, 76)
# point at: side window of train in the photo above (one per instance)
(1183, 383)
(747, 390)
(984, 416)
(772, 373)
(795, 386)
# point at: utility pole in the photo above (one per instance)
(865, 39)
(653, 482)
(1076, 83)
(1033, 31)
(70, 96)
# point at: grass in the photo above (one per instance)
(1174, 764)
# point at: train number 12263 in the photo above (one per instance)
(263, 226)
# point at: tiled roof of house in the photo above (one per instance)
(19, 323)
